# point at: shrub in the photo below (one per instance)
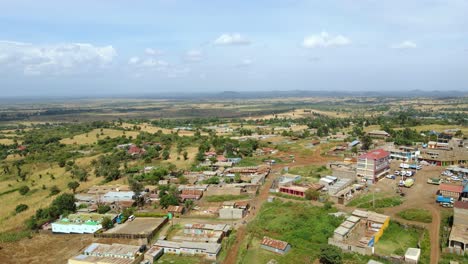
(54, 190)
(23, 190)
(102, 209)
(21, 207)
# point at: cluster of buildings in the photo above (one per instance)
(360, 232)
(195, 239)
(458, 239)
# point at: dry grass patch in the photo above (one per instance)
(91, 138)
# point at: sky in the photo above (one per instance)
(116, 47)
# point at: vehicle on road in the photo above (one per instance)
(442, 199)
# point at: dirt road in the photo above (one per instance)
(255, 206)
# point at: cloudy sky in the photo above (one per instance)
(107, 47)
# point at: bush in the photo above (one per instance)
(102, 209)
(23, 190)
(107, 223)
(54, 190)
(330, 255)
(21, 207)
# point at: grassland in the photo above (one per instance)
(396, 239)
(228, 197)
(94, 135)
(416, 214)
(304, 226)
(381, 201)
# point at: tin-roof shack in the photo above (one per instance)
(276, 246)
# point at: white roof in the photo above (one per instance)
(413, 254)
(341, 230)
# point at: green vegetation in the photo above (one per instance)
(304, 226)
(12, 236)
(61, 205)
(425, 244)
(367, 201)
(414, 214)
(397, 238)
(227, 197)
(102, 209)
(23, 190)
(107, 223)
(330, 255)
(21, 208)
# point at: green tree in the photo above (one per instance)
(165, 154)
(330, 255)
(102, 209)
(185, 154)
(73, 185)
(312, 194)
(107, 223)
(65, 203)
(366, 142)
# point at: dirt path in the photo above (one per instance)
(255, 206)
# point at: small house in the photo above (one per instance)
(276, 246)
(412, 255)
(176, 210)
(450, 190)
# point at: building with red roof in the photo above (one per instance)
(274, 245)
(450, 190)
(373, 165)
(135, 151)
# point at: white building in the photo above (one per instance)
(208, 250)
(80, 223)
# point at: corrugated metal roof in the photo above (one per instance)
(278, 244)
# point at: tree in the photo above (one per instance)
(185, 154)
(366, 142)
(73, 185)
(165, 154)
(137, 187)
(312, 194)
(107, 223)
(23, 190)
(188, 204)
(65, 203)
(102, 209)
(237, 177)
(330, 255)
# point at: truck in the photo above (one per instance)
(442, 199)
(435, 181)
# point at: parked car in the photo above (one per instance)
(397, 173)
(390, 176)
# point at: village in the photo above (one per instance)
(215, 201)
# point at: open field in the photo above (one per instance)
(37, 196)
(94, 135)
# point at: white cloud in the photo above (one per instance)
(153, 52)
(231, 39)
(54, 59)
(407, 44)
(153, 63)
(325, 40)
(245, 63)
(193, 55)
(133, 60)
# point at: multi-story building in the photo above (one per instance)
(373, 165)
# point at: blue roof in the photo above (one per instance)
(465, 189)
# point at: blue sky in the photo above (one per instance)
(111, 47)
